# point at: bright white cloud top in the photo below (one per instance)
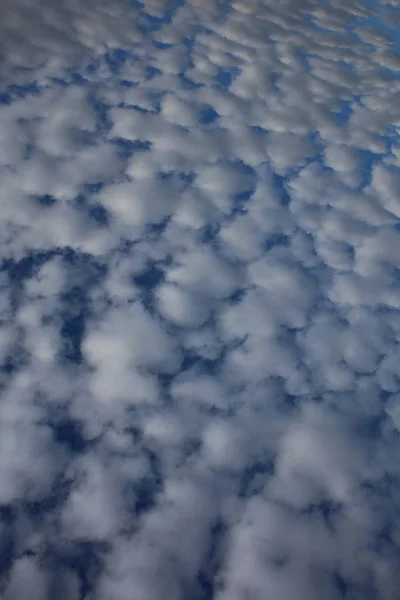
(200, 300)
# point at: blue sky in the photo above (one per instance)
(199, 300)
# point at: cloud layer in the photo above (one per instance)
(199, 300)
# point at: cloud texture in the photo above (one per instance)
(199, 300)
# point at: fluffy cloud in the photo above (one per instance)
(199, 300)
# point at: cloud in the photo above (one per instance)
(199, 300)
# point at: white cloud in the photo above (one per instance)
(220, 183)
(125, 344)
(26, 574)
(289, 292)
(199, 300)
(181, 307)
(286, 150)
(385, 183)
(202, 272)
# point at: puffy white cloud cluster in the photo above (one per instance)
(199, 300)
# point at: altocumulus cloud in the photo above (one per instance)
(199, 300)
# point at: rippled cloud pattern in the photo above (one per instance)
(199, 300)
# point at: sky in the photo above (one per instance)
(199, 300)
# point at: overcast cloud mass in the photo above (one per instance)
(200, 300)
